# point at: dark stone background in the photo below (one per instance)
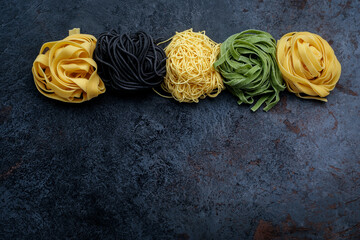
(145, 167)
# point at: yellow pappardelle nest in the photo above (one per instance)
(190, 74)
(64, 70)
(308, 65)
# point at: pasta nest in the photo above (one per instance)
(308, 65)
(248, 65)
(64, 70)
(190, 74)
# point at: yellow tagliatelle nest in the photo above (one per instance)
(190, 74)
(308, 65)
(64, 70)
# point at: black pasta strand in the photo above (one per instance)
(129, 61)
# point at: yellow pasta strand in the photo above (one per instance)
(308, 65)
(64, 70)
(190, 74)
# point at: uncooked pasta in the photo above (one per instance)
(248, 64)
(190, 74)
(64, 70)
(308, 65)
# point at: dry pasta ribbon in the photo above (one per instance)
(247, 63)
(308, 65)
(64, 70)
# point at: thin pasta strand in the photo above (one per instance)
(190, 74)
(130, 62)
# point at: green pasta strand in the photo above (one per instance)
(247, 62)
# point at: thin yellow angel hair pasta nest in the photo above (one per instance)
(190, 74)
(64, 70)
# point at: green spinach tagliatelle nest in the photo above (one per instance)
(247, 62)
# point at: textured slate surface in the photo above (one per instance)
(144, 167)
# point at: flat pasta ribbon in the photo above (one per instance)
(190, 74)
(64, 70)
(247, 63)
(308, 65)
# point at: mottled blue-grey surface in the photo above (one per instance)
(145, 167)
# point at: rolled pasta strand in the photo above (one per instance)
(190, 74)
(247, 63)
(308, 65)
(130, 62)
(64, 70)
